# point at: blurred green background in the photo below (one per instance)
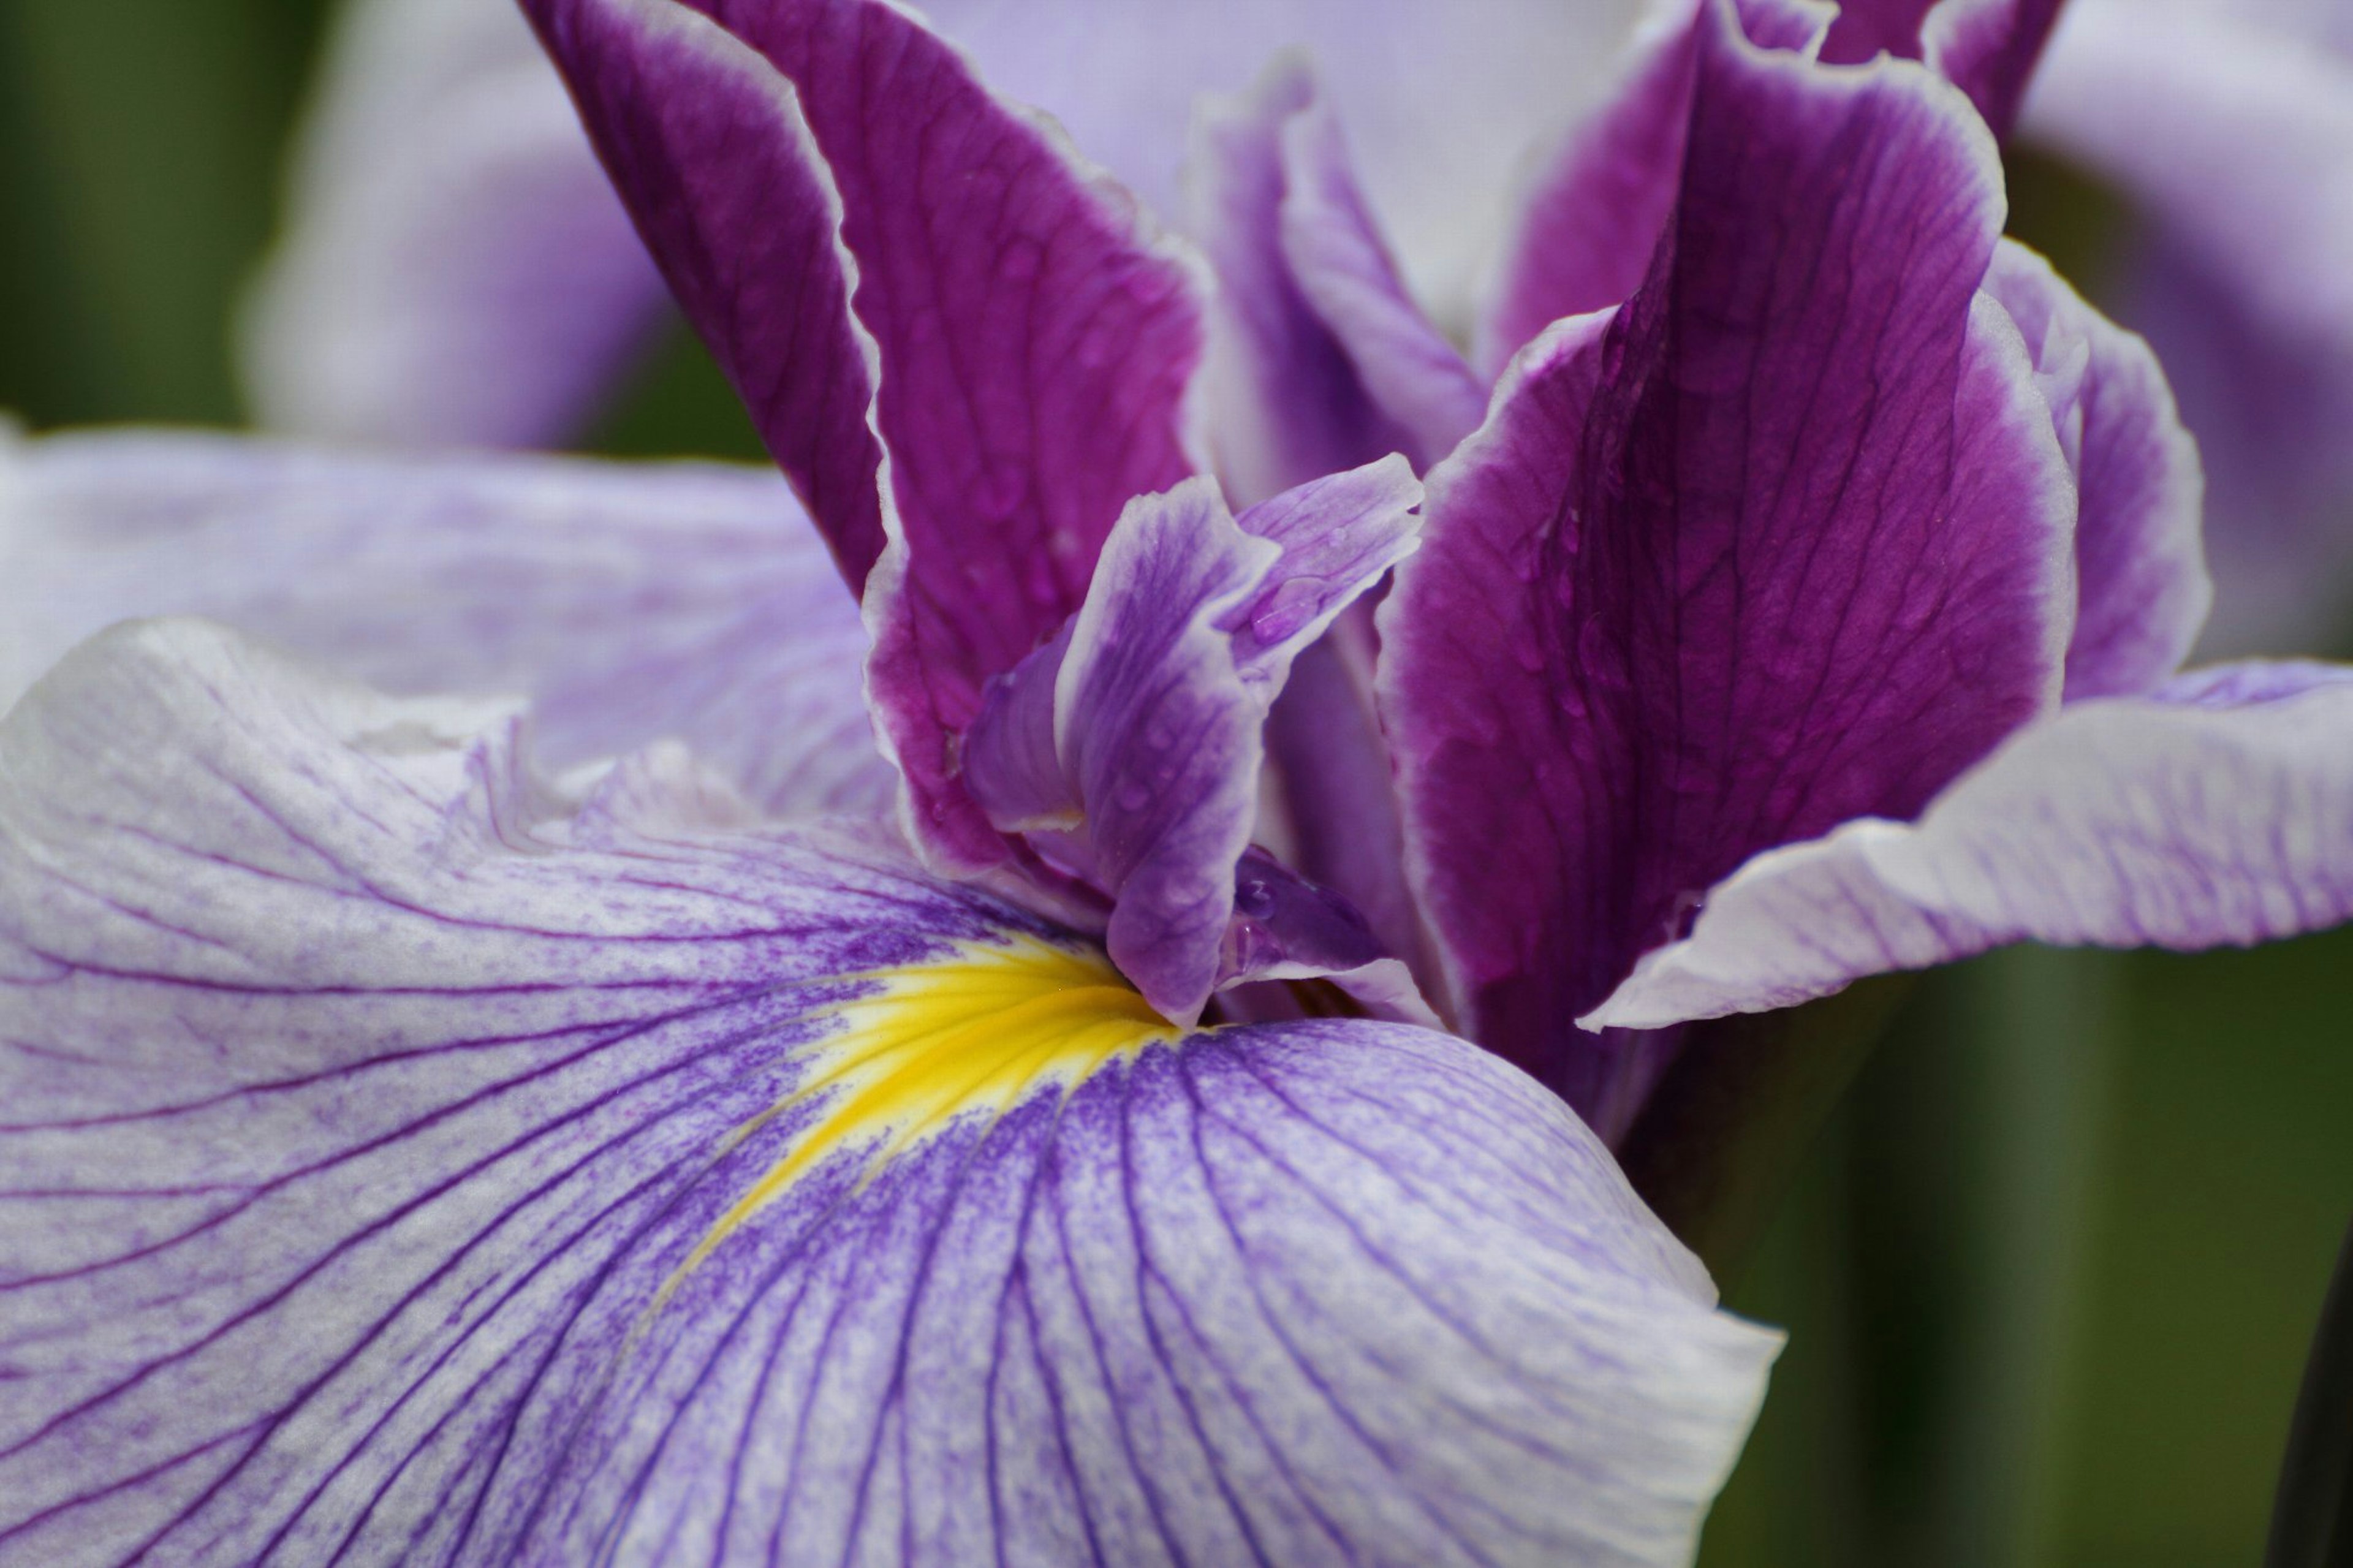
(2048, 1276)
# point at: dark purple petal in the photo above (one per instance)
(2217, 813)
(402, 1163)
(1031, 342)
(1140, 779)
(1989, 49)
(455, 268)
(630, 603)
(1785, 541)
(2140, 568)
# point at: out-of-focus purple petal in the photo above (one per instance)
(1785, 541)
(1146, 785)
(1591, 220)
(403, 1162)
(455, 268)
(2244, 192)
(2219, 812)
(1336, 251)
(1289, 401)
(629, 602)
(2142, 591)
(1027, 341)
(1990, 50)
(1441, 102)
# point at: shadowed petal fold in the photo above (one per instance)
(630, 603)
(455, 268)
(1785, 541)
(405, 1161)
(2216, 812)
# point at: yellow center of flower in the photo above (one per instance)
(977, 1030)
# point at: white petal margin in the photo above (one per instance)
(455, 268)
(630, 602)
(364, 1098)
(2219, 812)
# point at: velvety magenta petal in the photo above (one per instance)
(1031, 342)
(402, 1164)
(1145, 787)
(629, 602)
(1785, 541)
(1290, 406)
(2219, 812)
(2142, 591)
(455, 268)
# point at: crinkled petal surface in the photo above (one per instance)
(2217, 812)
(1783, 542)
(404, 1163)
(455, 268)
(2142, 591)
(630, 602)
(1024, 342)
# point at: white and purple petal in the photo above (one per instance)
(630, 603)
(1785, 541)
(2217, 811)
(407, 1161)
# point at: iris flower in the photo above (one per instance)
(1026, 1139)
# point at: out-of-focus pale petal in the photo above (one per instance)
(1025, 341)
(630, 602)
(403, 1162)
(2218, 811)
(1786, 540)
(1443, 102)
(454, 267)
(2142, 591)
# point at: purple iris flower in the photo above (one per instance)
(430, 1140)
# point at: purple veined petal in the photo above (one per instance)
(1785, 541)
(455, 268)
(1025, 341)
(630, 603)
(2245, 210)
(1439, 100)
(1141, 780)
(2142, 592)
(405, 1161)
(2214, 813)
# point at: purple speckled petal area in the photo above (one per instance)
(1161, 691)
(2142, 591)
(364, 1098)
(2218, 811)
(1026, 341)
(629, 602)
(455, 268)
(1786, 540)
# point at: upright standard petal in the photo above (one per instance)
(1024, 342)
(2142, 591)
(405, 1164)
(1783, 541)
(2217, 812)
(630, 603)
(454, 267)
